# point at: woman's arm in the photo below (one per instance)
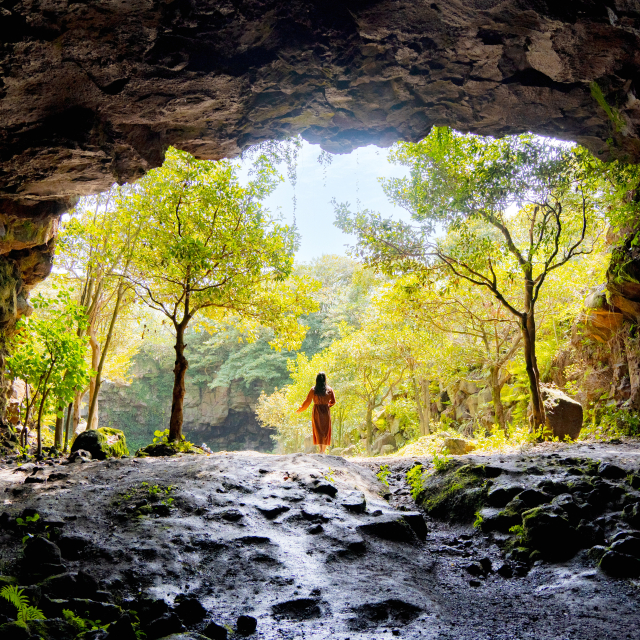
(332, 398)
(307, 402)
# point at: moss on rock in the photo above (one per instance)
(456, 493)
(102, 443)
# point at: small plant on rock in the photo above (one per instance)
(415, 480)
(383, 474)
(25, 611)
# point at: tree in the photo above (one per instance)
(48, 355)
(519, 207)
(94, 252)
(208, 246)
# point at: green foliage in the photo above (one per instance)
(441, 461)
(15, 596)
(477, 523)
(383, 474)
(48, 354)
(329, 475)
(81, 624)
(609, 421)
(182, 445)
(415, 480)
(612, 113)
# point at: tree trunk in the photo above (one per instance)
(67, 426)
(427, 406)
(98, 363)
(57, 442)
(417, 393)
(76, 410)
(496, 396)
(369, 425)
(179, 389)
(528, 339)
(92, 418)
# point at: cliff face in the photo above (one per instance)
(223, 418)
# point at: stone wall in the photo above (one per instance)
(223, 418)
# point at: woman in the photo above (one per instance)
(323, 399)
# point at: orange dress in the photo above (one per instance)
(321, 416)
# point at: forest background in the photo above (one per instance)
(403, 354)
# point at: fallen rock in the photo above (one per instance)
(273, 511)
(457, 446)
(611, 471)
(416, 521)
(392, 528)
(549, 533)
(169, 623)
(190, 610)
(102, 443)
(620, 565)
(563, 414)
(631, 514)
(354, 502)
(324, 487)
(38, 551)
(79, 456)
(14, 631)
(215, 631)
(122, 630)
(501, 496)
(246, 625)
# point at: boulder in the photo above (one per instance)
(468, 386)
(620, 565)
(387, 449)
(40, 551)
(549, 533)
(563, 414)
(383, 440)
(14, 631)
(457, 446)
(80, 456)
(102, 443)
(246, 625)
(215, 631)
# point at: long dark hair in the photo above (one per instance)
(321, 384)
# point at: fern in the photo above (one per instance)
(30, 613)
(25, 611)
(14, 596)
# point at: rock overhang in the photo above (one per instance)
(93, 93)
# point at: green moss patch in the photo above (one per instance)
(102, 443)
(455, 493)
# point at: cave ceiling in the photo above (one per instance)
(94, 91)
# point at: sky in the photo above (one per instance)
(349, 178)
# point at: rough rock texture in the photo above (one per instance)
(253, 535)
(604, 357)
(223, 418)
(94, 92)
(563, 414)
(101, 443)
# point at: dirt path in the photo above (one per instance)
(309, 546)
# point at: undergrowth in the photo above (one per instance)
(25, 611)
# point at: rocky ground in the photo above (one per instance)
(310, 546)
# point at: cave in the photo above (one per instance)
(94, 93)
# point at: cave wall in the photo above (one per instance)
(94, 92)
(223, 418)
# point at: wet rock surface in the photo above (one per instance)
(194, 545)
